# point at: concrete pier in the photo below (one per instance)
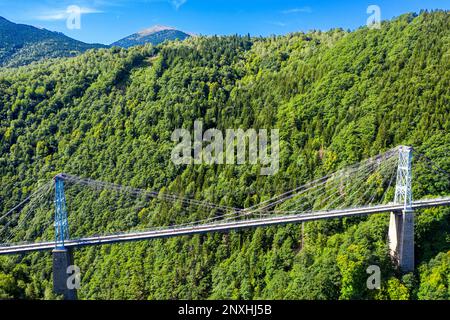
(62, 259)
(401, 239)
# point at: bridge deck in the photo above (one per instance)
(220, 227)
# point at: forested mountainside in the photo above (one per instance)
(337, 97)
(22, 44)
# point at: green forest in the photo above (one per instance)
(337, 97)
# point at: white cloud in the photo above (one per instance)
(64, 14)
(297, 10)
(177, 3)
(278, 23)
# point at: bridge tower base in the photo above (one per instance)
(62, 259)
(401, 225)
(401, 239)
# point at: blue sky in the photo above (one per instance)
(105, 21)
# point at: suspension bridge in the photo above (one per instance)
(361, 189)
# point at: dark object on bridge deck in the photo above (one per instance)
(62, 259)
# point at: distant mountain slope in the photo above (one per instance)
(22, 44)
(154, 35)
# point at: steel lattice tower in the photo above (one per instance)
(403, 192)
(61, 223)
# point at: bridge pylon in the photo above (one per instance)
(62, 256)
(61, 222)
(401, 225)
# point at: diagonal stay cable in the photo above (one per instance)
(233, 216)
(33, 205)
(352, 168)
(361, 179)
(431, 163)
(332, 184)
(368, 167)
(23, 202)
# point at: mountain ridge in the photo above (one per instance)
(156, 28)
(154, 35)
(21, 44)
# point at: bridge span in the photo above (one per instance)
(348, 192)
(169, 232)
